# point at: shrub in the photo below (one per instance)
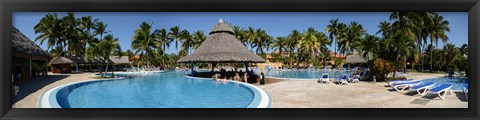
(380, 68)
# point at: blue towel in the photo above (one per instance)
(325, 76)
(441, 87)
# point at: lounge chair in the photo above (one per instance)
(343, 80)
(465, 90)
(325, 78)
(404, 85)
(356, 79)
(425, 87)
(442, 88)
(391, 82)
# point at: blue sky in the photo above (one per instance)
(123, 24)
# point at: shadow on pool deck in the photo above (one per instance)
(461, 96)
(31, 85)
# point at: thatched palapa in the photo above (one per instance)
(119, 60)
(356, 58)
(22, 45)
(61, 60)
(26, 56)
(223, 47)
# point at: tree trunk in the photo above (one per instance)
(100, 70)
(405, 60)
(106, 70)
(298, 57)
(431, 59)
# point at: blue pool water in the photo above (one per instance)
(303, 74)
(155, 90)
(457, 82)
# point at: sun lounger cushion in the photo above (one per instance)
(423, 86)
(441, 88)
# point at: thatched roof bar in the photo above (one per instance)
(221, 46)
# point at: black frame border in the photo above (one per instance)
(9, 6)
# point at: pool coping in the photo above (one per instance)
(282, 78)
(49, 99)
(261, 98)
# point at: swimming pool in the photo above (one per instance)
(457, 82)
(303, 74)
(155, 90)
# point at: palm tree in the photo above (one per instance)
(450, 53)
(294, 39)
(463, 50)
(353, 34)
(412, 23)
(100, 28)
(70, 33)
(175, 34)
(402, 46)
(279, 44)
(58, 51)
(240, 34)
(334, 30)
(438, 28)
(144, 41)
(251, 36)
(199, 37)
(50, 30)
(385, 28)
(131, 55)
(261, 41)
(369, 46)
(104, 49)
(164, 40)
(86, 24)
(187, 42)
(310, 42)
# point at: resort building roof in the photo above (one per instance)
(23, 45)
(222, 46)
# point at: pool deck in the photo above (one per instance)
(285, 94)
(310, 94)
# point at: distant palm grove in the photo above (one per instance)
(407, 37)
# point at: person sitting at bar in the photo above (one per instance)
(245, 78)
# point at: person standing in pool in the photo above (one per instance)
(262, 78)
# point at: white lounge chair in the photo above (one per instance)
(405, 85)
(391, 82)
(356, 79)
(445, 88)
(343, 80)
(325, 78)
(425, 87)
